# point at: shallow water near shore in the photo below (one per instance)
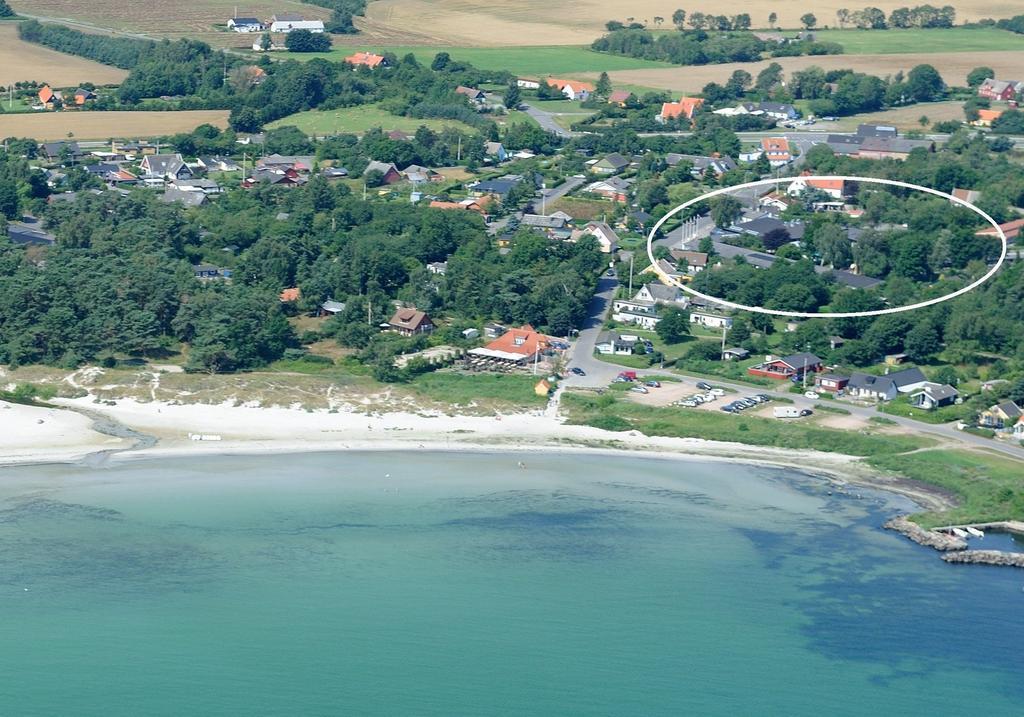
(462, 584)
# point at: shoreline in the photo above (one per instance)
(130, 430)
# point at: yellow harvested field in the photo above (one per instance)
(903, 118)
(578, 22)
(105, 125)
(953, 67)
(25, 61)
(199, 19)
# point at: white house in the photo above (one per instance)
(245, 24)
(528, 84)
(614, 343)
(605, 235)
(641, 313)
(835, 188)
(710, 319)
(288, 21)
(661, 294)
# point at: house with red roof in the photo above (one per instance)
(686, 108)
(1010, 229)
(366, 59)
(515, 347)
(835, 188)
(572, 89)
(987, 117)
(411, 321)
(777, 150)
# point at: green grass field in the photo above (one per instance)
(485, 390)
(541, 60)
(914, 40)
(357, 120)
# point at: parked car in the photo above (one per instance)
(710, 397)
(811, 394)
(639, 389)
(578, 371)
(729, 408)
(716, 392)
(688, 403)
(653, 384)
(806, 412)
(704, 385)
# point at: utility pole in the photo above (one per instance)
(630, 275)
(459, 152)
(724, 329)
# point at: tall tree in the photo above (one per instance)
(772, 19)
(808, 20)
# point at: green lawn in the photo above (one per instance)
(499, 391)
(946, 414)
(914, 40)
(990, 487)
(357, 120)
(536, 60)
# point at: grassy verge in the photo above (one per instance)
(831, 409)
(945, 414)
(990, 487)
(611, 414)
(499, 391)
(533, 60)
(357, 120)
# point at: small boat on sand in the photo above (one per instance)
(958, 532)
(974, 532)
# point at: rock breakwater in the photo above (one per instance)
(929, 538)
(985, 557)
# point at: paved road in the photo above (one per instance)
(598, 372)
(549, 195)
(547, 121)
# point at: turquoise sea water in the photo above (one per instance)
(433, 584)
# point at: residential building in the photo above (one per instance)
(83, 95)
(685, 108)
(438, 267)
(410, 321)
(934, 395)
(615, 344)
(987, 117)
(699, 165)
(611, 164)
(640, 313)
(891, 148)
(657, 293)
(528, 83)
(330, 307)
(710, 319)
(619, 97)
(1011, 229)
(605, 235)
(735, 354)
(513, 347)
(388, 170)
(551, 226)
(472, 93)
(165, 167)
(831, 382)
(473, 205)
(1001, 415)
(887, 387)
(1000, 90)
(794, 366)
(778, 110)
(497, 188)
(366, 59)
(777, 150)
(696, 261)
(496, 150)
(877, 130)
(614, 188)
(971, 196)
(246, 24)
(288, 21)
(835, 188)
(572, 89)
(49, 98)
(218, 164)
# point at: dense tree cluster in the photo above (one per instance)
(342, 13)
(924, 16)
(845, 92)
(698, 47)
(306, 41)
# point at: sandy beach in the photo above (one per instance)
(47, 435)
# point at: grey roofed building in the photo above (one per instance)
(896, 145)
(799, 360)
(700, 164)
(761, 226)
(206, 186)
(907, 377)
(188, 199)
(932, 394)
(218, 164)
(736, 353)
(382, 167)
(778, 110)
(614, 161)
(855, 281)
(22, 233)
(53, 150)
(876, 130)
(843, 143)
(330, 306)
(334, 172)
(169, 166)
(301, 163)
(543, 221)
(500, 187)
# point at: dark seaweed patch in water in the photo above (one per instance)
(530, 520)
(863, 608)
(46, 509)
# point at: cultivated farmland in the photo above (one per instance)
(103, 125)
(891, 42)
(573, 22)
(200, 19)
(953, 66)
(21, 61)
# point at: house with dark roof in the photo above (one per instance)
(25, 233)
(173, 195)
(613, 343)
(387, 169)
(610, 164)
(658, 293)
(1001, 415)
(934, 395)
(54, 150)
(792, 367)
(831, 382)
(778, 110)
(498, 188)
(160, 167)
(887, 387)
(410, 321)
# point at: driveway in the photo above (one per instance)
(547, 121)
